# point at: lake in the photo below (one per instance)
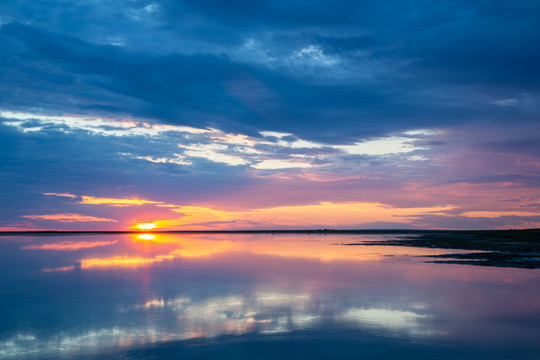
(264, 296)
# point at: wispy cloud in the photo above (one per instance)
(273, 151)
(61, 195)
(92, 200)
(213, 152)
(383, 146)
(68, 218)
(506, 102)
(30, 122)
(326, 214)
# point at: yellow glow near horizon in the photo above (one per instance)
(496, 214)
(324, 214)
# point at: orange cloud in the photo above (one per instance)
(68, 218)
(69, 245)
(116, 202)
(326, 214)
(496, 214)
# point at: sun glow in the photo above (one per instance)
(146, 226)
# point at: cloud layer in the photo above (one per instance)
(245, 106)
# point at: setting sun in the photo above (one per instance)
(146, 226)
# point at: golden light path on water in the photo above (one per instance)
(167, 246)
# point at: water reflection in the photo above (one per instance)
(308, 247)
(62, 268)
(68, 245)
(129, 292)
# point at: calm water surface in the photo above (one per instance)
(256, 296)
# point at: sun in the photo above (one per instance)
(146, 226)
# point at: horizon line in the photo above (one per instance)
(274, 231)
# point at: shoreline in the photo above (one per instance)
(498, 248)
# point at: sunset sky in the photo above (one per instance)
(236, 114)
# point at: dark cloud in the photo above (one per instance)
(276, 13)
(397, 66)
(522, 179)
(522, 145)
(187, 89)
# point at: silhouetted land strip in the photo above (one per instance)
(502, 248)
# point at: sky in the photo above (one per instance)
(209, 115)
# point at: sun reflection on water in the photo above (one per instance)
(146, 236)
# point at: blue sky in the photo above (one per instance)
(241, 114)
